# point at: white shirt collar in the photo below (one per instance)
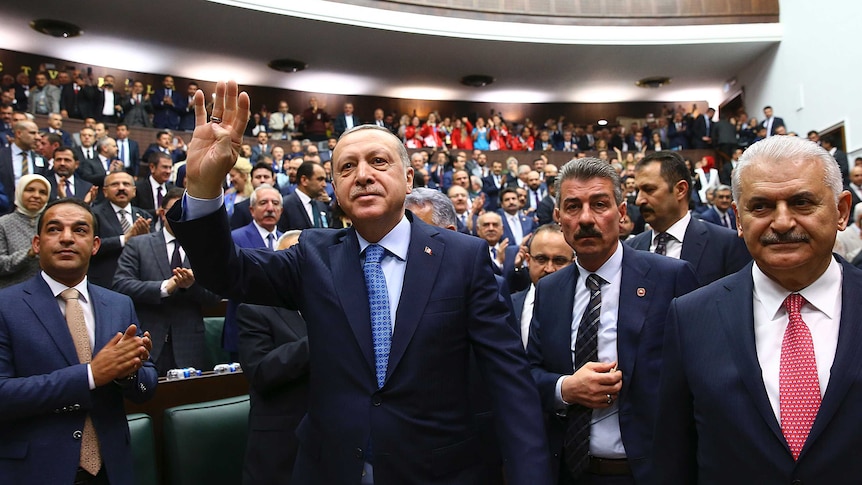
(677, 229)
(820, 294)
(303, 197)
(56, 287)
(264, 233)
(397, 241)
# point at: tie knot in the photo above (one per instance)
(594, 282)
(663, 238)
(122, 212)
(374, 253)
(793, 303)
(70, 294)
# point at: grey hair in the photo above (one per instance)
(588, 168)
(778, 149)
(402, 150)
(442, 210)
(253, 197)
(104, 141)
(293, 233)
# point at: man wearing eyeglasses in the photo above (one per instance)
(547, 251)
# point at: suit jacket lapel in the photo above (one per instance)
(301, 209)
(736, 311)
(848, 360)
(47, 311)
(694, 243)
(347, 274)
(105, 318)
(419, 277)
(557, 328)
(632, 309)
(160, 253)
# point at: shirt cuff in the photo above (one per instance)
(122, 240)
(561, 404)
(90, 377)
(163, 289)
(194, 208)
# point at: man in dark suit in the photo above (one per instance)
(492, 184)
(168, 105)
(119, 222)
(87, 150)
(726, 172)
(154, 272)
(71, 96)
(828, 144)
(677, 133)
(94, 170)
(187, 116)
(664, 185)
(302, 210)
(262, 148)
(164, 144)
(136, 107)
(18, 154)
(105, 100)
(63, 178)
(721, 213)
(701, 130)
(62, 396)
(369, 407)
(55, 125)
(855, 189)
(770, 121)
(596, 334)
(128, 150)
(273, 351)
(762, 374)
(345, 120)
(516, 225)
(150, 191)
(265, 209)
(547, 252)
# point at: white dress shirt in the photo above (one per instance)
(822, 314)
(605, 437)
(673, 248)
(265, 234)
(527, 314)
(515, 226)
(306, 204)
(86, 305)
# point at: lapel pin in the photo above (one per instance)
(428, 251)
(641, 292)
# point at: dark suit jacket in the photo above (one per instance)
(492, 193)
(7, 173)
(339, 123)
(843, 165)
(711, 371)
(712, 215)
(699, 130)
(72, 102)
(104, 264)
(244, 237)
(93, 171)
(144, 196)
(294, 216)
(713, 251)
(65, 137)
(420, 424)
(241, 216)
(44, 391)
(678, 138)
(141, 269)
(527, 226)
(134, 157)
(177, 155)
(165, 115)
(776, 122)
(640, 332)
(273, 351)
(136, 114)
(81, 186)
(545, 212)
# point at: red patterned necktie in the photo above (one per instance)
(798, 384)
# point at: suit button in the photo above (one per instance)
(77, 435)
(376, 399)
(797, 482)
(358, 453)
(76, 407)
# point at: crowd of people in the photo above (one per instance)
(552, 304)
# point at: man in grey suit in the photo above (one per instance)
(153, 271)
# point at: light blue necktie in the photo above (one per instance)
(378, 301)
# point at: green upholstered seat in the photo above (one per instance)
(143, 448)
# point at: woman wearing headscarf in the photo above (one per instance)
(17, 260)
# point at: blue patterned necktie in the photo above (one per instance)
(577, 439)
(378, 301)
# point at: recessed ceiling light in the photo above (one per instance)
(602, 122)
(653, 82)
(287, 65)
(477, 80)
(56, 28)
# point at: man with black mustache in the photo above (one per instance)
(762, 374)
(596, 334)
(664, 187)
(119, 221)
